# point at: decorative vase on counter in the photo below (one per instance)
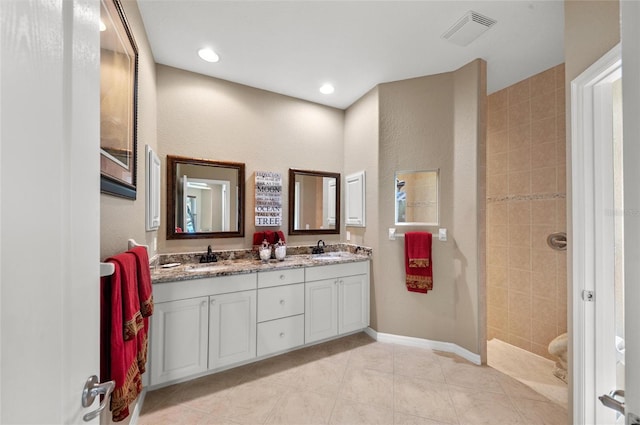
(281, 251)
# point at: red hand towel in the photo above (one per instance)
(258, 237)
(132, 318)
(418, 264)
(118, 360)
(145, 288)
(145, 295)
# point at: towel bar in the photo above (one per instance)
(106, 269)
(441, 236)
(132, 244)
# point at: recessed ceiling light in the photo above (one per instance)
(208, 55)
(327, 89)
(103, 27)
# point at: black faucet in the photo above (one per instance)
(319, 249)
(209, 257)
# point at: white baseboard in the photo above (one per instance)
(447, 347)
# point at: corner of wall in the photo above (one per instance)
(469, 112)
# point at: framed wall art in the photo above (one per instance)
(118, 102)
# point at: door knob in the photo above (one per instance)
(93, 388)
(610, 400)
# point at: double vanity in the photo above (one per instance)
(214, 316)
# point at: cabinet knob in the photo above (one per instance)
(281, 302)
(281, 277)
(213, 301)
(281, 334)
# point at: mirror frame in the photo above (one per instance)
(292, 193)
(172, 168)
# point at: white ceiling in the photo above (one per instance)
(293, 47)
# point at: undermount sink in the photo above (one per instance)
(203, 268)
(329, 256)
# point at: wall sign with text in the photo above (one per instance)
(268, 198)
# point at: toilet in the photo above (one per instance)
(558, 349)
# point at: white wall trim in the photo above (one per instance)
(583, 243)
(448, 347)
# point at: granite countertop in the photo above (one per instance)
(225, 267)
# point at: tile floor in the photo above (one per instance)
(353, 380)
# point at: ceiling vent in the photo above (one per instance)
(471, 26)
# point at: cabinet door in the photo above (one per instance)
(355, 200)
(353, 303)
(178, 339)
(321, 310)
(232, 328)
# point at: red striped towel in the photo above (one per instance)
(418, 264)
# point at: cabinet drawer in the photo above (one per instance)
(280, 335)
(171, 291)
(280, 301)
(280, 277)
(336, 270)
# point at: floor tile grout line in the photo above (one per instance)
(337, 395)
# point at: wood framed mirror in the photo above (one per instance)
(205, 198)
(314, 202)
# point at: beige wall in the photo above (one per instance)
(527, 291)
(115, 230)
(432, 123)
(592, 28)
(361, 134)
(204, 117)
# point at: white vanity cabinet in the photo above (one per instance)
(280, 311)
(203, 325)
(336, 300)
(200, 325)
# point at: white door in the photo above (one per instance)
(49, 208)
(630, 12)
(606, 254)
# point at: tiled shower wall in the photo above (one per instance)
(526, 201)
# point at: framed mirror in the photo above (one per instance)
(314, 202)
(416, 198)
(205, 199)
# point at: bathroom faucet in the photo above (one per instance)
(209, 257)
(319, 249)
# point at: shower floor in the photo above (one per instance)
(528, 368)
